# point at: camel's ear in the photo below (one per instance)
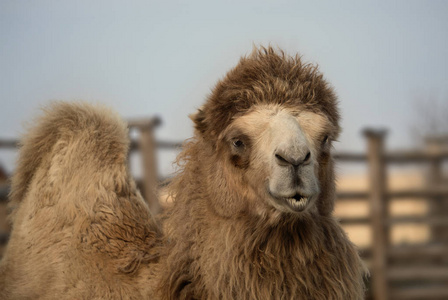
(199, 120)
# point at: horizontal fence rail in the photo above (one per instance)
(398, 157)
(436, 192)
(9, 144)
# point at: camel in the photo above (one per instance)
(253, 200)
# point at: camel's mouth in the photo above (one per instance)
(298, 202)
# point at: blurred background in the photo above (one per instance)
(155, 62)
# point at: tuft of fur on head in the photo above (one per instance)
(266, 76)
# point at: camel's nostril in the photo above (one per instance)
(307, 157)
(281, 158)
(292, 160)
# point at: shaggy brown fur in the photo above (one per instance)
(220, 245)
(80, 228)
(82, 231)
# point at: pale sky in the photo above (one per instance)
(162, 58)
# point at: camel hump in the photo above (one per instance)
(78, 221)
(71, 144)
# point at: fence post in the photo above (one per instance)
(435, 180)
(147, 145)
(378, 210)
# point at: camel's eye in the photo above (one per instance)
(325, 141)
(238, 144)
(240, 151)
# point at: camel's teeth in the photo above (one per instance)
(299, 204)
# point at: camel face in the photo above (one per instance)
(279, 148)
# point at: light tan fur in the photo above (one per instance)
(81, 230)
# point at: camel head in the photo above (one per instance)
(271, 122)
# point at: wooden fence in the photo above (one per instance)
(409, 271)
(397, 272)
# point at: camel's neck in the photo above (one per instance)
(285, 237)
(291, 258)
